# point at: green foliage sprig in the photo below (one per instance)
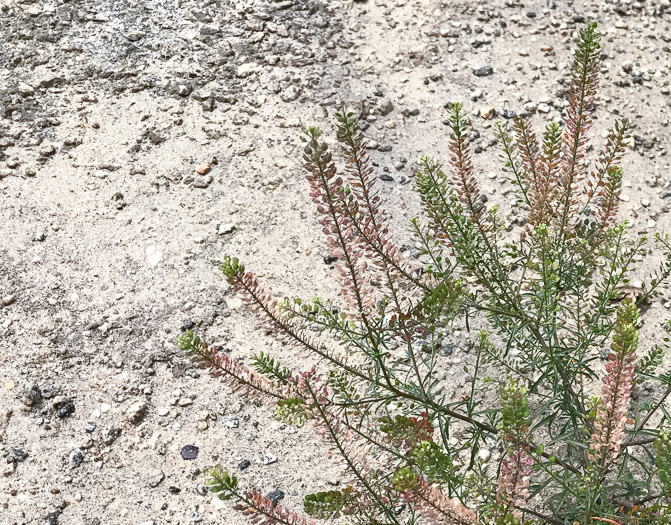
(269, 366)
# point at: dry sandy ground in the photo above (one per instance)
(110, 239)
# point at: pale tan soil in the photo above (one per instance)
(95, 310)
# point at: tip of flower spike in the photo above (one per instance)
(590, 31)
(454, 106)
(188, 341)
(344, 116)
(427, 162)
(588, 41)
(311, 133)
(232, 267)
(220, 482)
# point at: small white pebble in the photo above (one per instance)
(484, 454)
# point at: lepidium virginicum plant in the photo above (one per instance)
(574, 447)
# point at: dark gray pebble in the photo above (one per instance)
(77, 457)
(190, 452)
(17, 455)
(64, 408)
(483, 71)
(275, 496)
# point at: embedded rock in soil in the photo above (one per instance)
(190, 452)
(483, 71)
(77, 457)
(63, 407)
(136, 412)
(275, 496)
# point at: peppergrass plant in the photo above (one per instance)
(548, 303)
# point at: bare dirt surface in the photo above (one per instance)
(110, 239)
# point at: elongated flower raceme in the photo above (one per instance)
(611, 416)
(430, 502)
(331, 195)
(261, 510)
(579, 116)
(517, 465)
(543, 187)
(465, 184)
(513, 483)
(606, 181)
(239, 376)
(392, 270)
(663, 460)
